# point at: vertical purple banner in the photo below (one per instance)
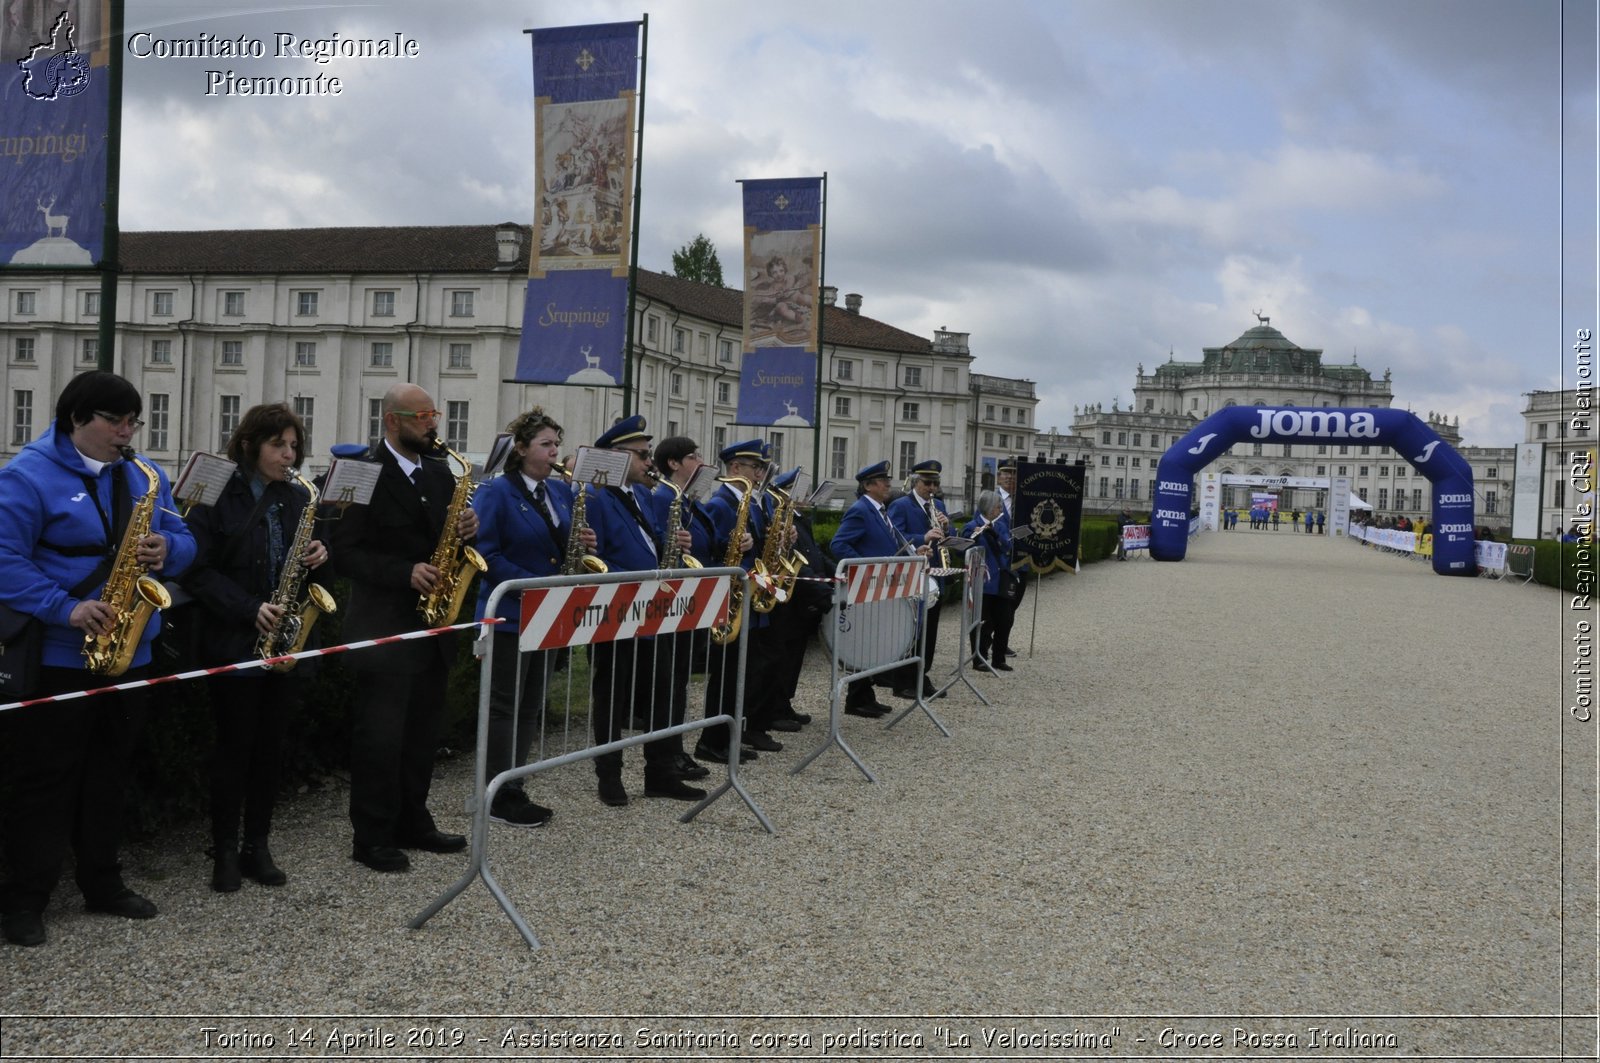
(574, 320)
(55, 91)
(782, 286)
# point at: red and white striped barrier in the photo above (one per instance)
(882, 582)
(246, 666)
(561, 617)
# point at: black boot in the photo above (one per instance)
(255, 861)
(225, 869)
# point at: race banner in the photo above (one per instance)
(1047, 516)
(575, 318)
(55, 92)
(782, 284)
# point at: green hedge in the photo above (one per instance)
(1565, 566)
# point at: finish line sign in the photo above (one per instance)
(560, 617)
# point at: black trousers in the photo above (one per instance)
(982, 642)
(1005, 617)
(515, 722)
(394, 731)
(629, 678)
(906, 678)
(251, 717)
(66, 767)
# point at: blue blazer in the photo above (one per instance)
(722, 508)
(862, 533)
(996, 542)
(516, 540)
(702, 532)
(620, 542)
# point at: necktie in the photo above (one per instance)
(416, 477)
(543, 503)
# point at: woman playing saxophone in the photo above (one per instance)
(246, 541)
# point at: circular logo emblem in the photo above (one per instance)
(1047, 519)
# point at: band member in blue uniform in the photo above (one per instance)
(524, 527)
(69, 496)
(988, 531)
(627, 676)
(866, 531)
(921, 519)
(677, 459)
(1006, 479)
(795, 621)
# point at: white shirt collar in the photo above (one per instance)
(407, 466)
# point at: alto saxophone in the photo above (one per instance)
(294, 623)
(722, 634)
(781, 566)
(129, 590)
(576, 559)
(674, 556)
(455, 560)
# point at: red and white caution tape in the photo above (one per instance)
(248, 666)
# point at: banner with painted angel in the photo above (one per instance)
(782, 288)
(574, 321)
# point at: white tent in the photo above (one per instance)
(1357, 502)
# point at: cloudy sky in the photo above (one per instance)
(1083, 186)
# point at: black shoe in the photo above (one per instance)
(762, 741)
(688, 769)
(905, 692)
(872, 710)
(929, 691)
(125, 903)
(674, 788)
(613, 793)
(434, 841)
(786, 723)
(1001, 666)
(225, 876)
(381, 857)
(255, 860)
(513, 808)
(23, 928)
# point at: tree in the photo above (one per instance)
(697, 261)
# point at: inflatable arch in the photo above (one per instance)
(1454, 552)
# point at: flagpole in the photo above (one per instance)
(633, 253)
(822, 312)
(109, 251)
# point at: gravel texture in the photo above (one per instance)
(1291, 776)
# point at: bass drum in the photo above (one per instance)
(872, 633)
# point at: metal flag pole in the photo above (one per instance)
(109, 251)
(638, 195)
(822, 312)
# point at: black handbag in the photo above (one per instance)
(1010, 586)
(21, 649)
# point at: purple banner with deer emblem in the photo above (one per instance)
(55, 91)
(782, 287)
(574, 321)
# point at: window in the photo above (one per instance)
(27, 302)
(988, 411)
(1383, 470)
(1288, 450)
(1138, 437)
(911, 411)
(461, 304)
(23, 349)
(1322, 448)
(1105, 486)
(1105, 438)
(1255, 449)
(680, 340)
(1541, 431)
(91, 304)
(233, 304)
(455, 423)
(908, 458)
(1322, 470)
(1105, 459)
(1366, 448)
(460, 356)
(382, 355)
(232, 352)
(988, 439)
(305, 304)
(1363, 470)
(21, 417)
(913, 376)
(1122, 461)
(1493, 473)
(775, 443)
(838, 458)
(91, 352)
(1344, 470)
(1416, 499)
(383, 304)
(1138, 463)
(1383, 498)
(841, 406)
(160, 352)
(1490, 501)
(675, 385)
(1119, 487)
(160, 304)
(160, 417)
(1133, 488)
(1344, 449)
(227, 419)
(725, 351)
(652, 329)
(844, 369)
(1005, 416)
(306, 409)
(720, 439)
(724, 393)
(704, 344)
(374, 421)
(305, 354)
(1022, 418)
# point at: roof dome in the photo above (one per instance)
(1264, 337)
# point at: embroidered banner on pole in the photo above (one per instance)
(1047, 516)
(574, 322)
(55, 93)
(782, 255)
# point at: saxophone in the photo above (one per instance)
(783, 568)
(129, 590)
(454, 559)
(674, 556)
(722, 634)
(576, 560)
(294, 625)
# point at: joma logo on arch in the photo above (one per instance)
(1315, 424)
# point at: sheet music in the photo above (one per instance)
(957, 543)
(798, 489)
(594, 462)
(822, 494)
(204, 476)
(350, 482)
(498, 450)
(702, 485)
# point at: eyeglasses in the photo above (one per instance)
(421, 415)
(126, 420)
(642, 455)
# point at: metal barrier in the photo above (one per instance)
(874, 628)
(1519, 563)
(562, 613)
(971, 623)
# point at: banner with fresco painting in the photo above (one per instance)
(782, 306)
(55, 92)
(575, 318)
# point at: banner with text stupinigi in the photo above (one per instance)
(782, 288)
(574, 321)
(55, 93)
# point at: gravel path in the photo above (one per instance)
(1289, 776)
